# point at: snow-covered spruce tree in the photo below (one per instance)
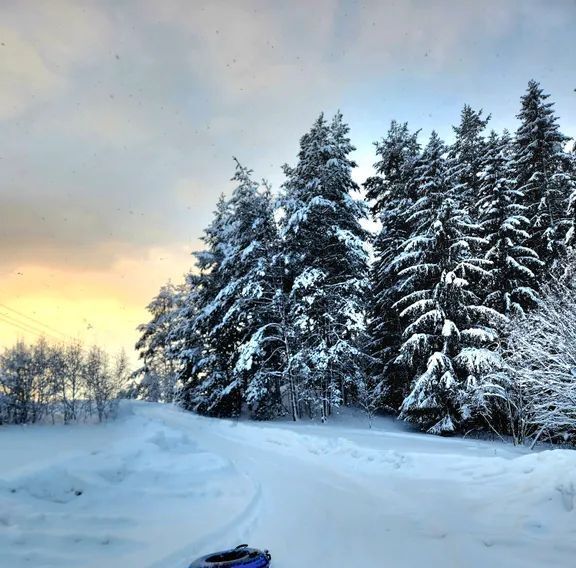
(253, 260)
(511, 283)
(157, 348)
(206, 345)
(447, 333)
(391, 192)
(466, 156)
(186, 336)
(571, 234)
(541, 174)
(326, 270)
(228, 336)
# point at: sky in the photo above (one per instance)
(120, 118)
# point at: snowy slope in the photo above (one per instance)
(160, 487)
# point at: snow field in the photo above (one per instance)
(161, 487)
(142, 490)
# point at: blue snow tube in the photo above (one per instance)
(242, 556)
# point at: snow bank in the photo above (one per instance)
(130, 500)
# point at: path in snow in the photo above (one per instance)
(160, 487)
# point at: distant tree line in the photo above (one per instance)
(59, 383)
(295, 308)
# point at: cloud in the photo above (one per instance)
(120, 118)
(88, 232)
(113, 120)
(259, 49)
(25, 78)
(253, 48)
(42, 42)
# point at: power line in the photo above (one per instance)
(36, 321)
(27, 327)
(22, 328)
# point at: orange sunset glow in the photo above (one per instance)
(102, 307)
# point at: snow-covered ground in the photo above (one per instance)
(160, 487)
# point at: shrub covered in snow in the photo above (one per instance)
(541, 364)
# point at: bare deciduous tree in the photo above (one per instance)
(541, 363)
(59, 383)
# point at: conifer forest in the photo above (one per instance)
(441, 290)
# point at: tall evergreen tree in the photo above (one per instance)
(466, 156)
(392, 194)
(157, 348)
(541, 173)
(207, 343)
(234, 356)
(187, 345)
(446, 328)
(571, 233)
(326, 261)
(511, 285)
(253, 260)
